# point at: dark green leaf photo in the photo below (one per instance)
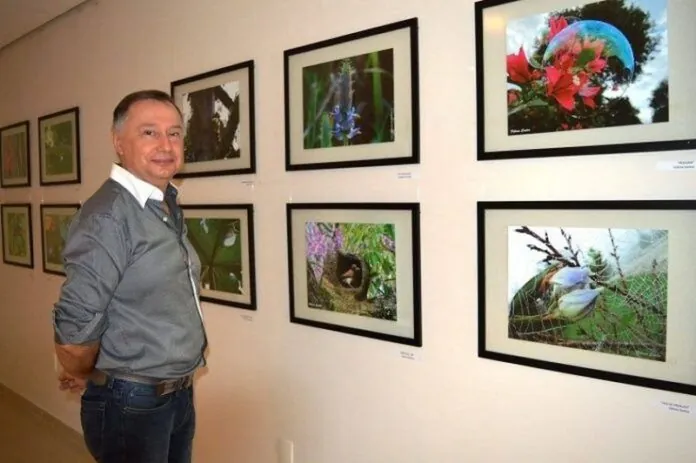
(59, 147)
(219, 247)
(223, 239)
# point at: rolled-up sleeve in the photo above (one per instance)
(95, 257)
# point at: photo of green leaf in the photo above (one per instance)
(16, 229)
(218, 243)
(17, 235)
(351, 268)
(602, 290)
(58, 148)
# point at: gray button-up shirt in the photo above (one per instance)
(132, 283)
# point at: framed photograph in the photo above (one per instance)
(17, 244)
(218, 110)
(59, 147)
(55, 222)
(584, 77)
(352, 101)
(600, 289)
(355, 268)
(223, 236)
(14, 155)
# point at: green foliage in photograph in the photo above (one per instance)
(59, 145)
(218, 243)
(17, 229)
(349, 101)
(606, 294)
(351, 268)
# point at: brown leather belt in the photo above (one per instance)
(163, 386)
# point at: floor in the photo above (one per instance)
(27, 435)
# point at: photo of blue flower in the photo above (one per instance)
(349, 101)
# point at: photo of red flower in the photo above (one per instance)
(599, 65)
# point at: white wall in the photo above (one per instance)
(339, 398)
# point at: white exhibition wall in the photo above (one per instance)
(338, 398)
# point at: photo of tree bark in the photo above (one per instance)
(211, 119)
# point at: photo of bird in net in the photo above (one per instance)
(597, 289)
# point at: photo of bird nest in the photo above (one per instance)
(351, 268)
(602, 290)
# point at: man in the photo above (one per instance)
(128, 325)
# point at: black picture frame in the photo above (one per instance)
(500, 138)
(71, 115)
(245, 295)
(240, 76)
(384, 236)
(27, 235)
(23, 130)
(627, 320)
(56, 209)
(398, 130)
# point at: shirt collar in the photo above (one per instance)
(140, 189)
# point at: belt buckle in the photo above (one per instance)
(167, 387)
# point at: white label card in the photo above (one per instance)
(676, 165)
(675, 407)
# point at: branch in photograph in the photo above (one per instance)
(578, 299)
(552, 253)
(593, 345)
(615, 255)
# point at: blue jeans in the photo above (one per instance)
(128, 422)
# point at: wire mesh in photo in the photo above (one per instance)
(603, 290)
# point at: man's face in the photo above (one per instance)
(151, 142)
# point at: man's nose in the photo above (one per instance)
(165, 143)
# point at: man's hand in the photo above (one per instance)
(71, 383)
(77, 364)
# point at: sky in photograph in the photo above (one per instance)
(522, 32)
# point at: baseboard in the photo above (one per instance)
(46, 417)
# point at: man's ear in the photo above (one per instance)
(116, 141)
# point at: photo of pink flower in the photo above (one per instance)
(599, 65)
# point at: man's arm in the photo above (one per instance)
(77, 361)
(95, 257)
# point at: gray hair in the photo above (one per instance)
(121, 110)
